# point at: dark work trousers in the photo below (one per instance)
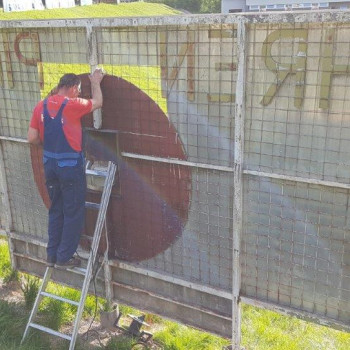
(66, 185)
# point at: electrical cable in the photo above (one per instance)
(95, 274)
(96, 302)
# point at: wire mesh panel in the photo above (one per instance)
(298, 127)
(201, 100)
(296, 246)
(27, 209)
(168, 120)
(297, 102)
(31, 64)
(189, 72)
(203, 253)
(19, 53)
(3, 194)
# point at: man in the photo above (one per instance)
(56, 123)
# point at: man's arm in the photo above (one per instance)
(33, 136)
(95, 79)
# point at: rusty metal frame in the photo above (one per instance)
(238, 184)
(93, 61)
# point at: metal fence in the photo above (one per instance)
(232, 138)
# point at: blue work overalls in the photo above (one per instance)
(66, 185)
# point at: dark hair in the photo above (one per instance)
(68, 80)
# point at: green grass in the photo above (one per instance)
(12, 323)
(121, 343)
(7, 274)
(13, 318)
(178, 337)
(30, 288)
(267, 330)
(136, 9)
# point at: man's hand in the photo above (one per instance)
(97, 76)
(95, 79)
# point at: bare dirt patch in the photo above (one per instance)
(11, 292)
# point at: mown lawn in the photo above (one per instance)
(136, 9)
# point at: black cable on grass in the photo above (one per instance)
(97, 270)
(95, 274)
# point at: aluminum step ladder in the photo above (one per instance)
(109, 175)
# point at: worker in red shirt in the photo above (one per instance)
(56, 124)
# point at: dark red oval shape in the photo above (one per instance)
(149, 206)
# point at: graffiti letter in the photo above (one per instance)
(185, 50)
(36, 59)
(282, 70)
(328, 68)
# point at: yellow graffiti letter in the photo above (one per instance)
(282, 70)
(186, 49)
(328, 69)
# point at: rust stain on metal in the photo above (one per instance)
(163, 62)
(190, 67)
(8, 62)
(225, 66)
(149, 207)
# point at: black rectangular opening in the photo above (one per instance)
(101, 145)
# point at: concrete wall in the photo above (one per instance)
(232, 145)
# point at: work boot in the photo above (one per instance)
(72, 262)
(50, 261)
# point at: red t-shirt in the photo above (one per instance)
(74, 110)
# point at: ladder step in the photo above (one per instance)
(54, 296)
(92, 205)
(96, 172)
(50, 331)
(78, 270)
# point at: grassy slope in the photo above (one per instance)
(136, 9)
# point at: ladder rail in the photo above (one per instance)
(94, 247)
(103, 210)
